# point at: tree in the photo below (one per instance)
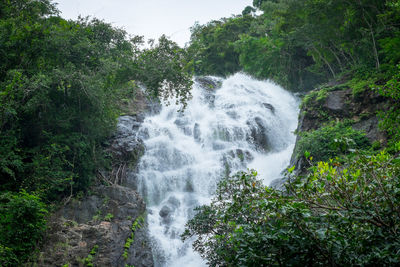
(336, 215)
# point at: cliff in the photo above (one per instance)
(108, 226)
(338, 102)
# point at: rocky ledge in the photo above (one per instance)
(338, 103)
(108, 226)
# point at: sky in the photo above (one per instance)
(152, 18)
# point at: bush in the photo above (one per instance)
(330, 141)
(22, 223)
(390, 119)
(336, 216)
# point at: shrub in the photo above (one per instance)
(336, 216)
(22, 223)
(331, 141)
(390, 119)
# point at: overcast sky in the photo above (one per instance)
(152, 18)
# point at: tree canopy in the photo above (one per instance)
(61, 84)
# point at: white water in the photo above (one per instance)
(187, 154)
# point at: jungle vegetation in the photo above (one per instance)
(344, 209)
(61, 84)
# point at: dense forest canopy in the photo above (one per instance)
(61, 84)
(300, 44)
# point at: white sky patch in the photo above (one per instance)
(152, 18)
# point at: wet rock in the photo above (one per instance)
(183, 124)
(126, 145)
(278, 183)
(153, 106)
(189, 186)
(218, 145)
(243, 156)
(208, 83)
(143, 134)
(168, 209)
(232, 114)
(102, 220)
(196, 132)
(174, 202)
(258, 134)
(165, 211)
(269, 106)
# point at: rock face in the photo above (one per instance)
(258, 135)
(108, 227)
(209, 85)
(126, 144)
(338, 105)
(96, 230)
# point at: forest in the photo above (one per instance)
(64, 83)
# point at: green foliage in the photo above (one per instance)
(300, 44)
(22, 222)
(164, 70)
(330, 141)
(317, 95)
(212, 46)
(61, 85)
(88, 261)
(390, 119)
(342, 215)
(60, 88)
(135, 225)
(108, 217)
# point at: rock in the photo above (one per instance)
(209, 98)
(232, 114)
(370, 127)
(153, 106)
(196, 132)
(100, 223)
(165, 211)
(208, 83)
(218, 145)
(258, 134)
(189, 186)
(278, 183)
(243, 156)
(269, 106)
(168, 209)
(335, 100)
(174, 202)
(183, 124)
(126, 145)
(341, 105)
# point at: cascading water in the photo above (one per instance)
(243, 124)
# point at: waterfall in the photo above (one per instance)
(229, 125)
